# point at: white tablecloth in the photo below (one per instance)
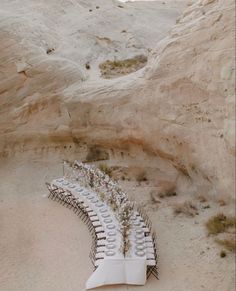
(118, 271)
(115, 269)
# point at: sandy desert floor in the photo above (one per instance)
(44, 246)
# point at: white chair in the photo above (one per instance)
(99, 256)
(101, 249)
(150, 250)
(99, 229)
(101, 242)
(150, 256)
(151, 263)
(96, 223)
(94, 218)
(97, 262)
(101, 235)
(146, 229)
(148, 239)
(91, 213)
(149, 244)
(88, 209)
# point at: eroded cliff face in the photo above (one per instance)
(176, 114)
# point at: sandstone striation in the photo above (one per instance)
(175, 114)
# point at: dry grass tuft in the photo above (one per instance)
(187, 208)
(202, 198)
(222, 202)
(220, 223)
(95, 153)
(110, 69)
(229, 244)
(141, 177)
(167, 194)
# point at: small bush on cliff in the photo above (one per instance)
(114, 68)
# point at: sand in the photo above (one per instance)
(45, 246)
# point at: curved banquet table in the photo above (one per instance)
(113, 268)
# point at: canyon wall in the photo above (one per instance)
(178, 111)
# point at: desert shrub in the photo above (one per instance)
(222, 202)
(222, 254)
(187, 208)
(106, 169)
(141, 177)
(121, 67)
(169, 193)
(206, 206)
(96, 154)
(50, 50)
(229, 244)
(220, 223)
(202, 198)
(87, 66)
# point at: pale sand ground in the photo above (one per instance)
(45, 246)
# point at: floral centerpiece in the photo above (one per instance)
(108, 190)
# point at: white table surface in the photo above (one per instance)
(115, 269)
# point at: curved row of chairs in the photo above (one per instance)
(90, 218)
(87, 215)
(151, 270)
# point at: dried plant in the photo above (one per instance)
(202, 198)
(125, 212)
(220, 223)
(187, 208)
(229, 244)
(141, 177)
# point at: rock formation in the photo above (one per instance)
(175, 114)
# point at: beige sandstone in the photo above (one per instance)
(173, 118)
(178, 109)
